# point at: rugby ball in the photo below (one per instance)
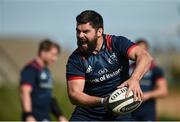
(117, 103)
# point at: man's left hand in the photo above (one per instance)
(134, 86)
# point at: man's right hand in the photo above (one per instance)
(30, 119)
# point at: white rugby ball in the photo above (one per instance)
(119, 104)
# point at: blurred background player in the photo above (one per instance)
(36, 85)
(153, 85)
(99, 66)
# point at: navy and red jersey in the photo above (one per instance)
(102, 72)
(40, 80)
(147, 111)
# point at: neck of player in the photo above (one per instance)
(40, 62)
(99, 45)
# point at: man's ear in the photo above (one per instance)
(99, 32)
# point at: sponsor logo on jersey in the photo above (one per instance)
(112, 58)
(106, 76)
(89, 69)
(46, 80)
(47, 85)
(102, 71)
(43, 76)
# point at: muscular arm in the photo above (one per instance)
(78, 97)
(160, 90)
(25, 97)
(143, 62)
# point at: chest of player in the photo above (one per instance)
(44, 80)
(102, 66)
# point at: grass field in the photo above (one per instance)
(168, 108)
(10, 104)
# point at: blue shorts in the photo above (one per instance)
(146, 112)
(85, 115)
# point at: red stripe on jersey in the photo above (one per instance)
(153, 65)
(75, 78)
(130, 49)
(35, 64)
(109, 42)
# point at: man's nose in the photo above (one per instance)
(81, 35)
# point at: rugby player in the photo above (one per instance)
(153, 85)
(36, 85)
(99, 66)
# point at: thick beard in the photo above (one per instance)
(91, 45)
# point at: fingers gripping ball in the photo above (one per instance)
(119, 104)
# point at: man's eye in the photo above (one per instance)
(85, 32)
(77, 31)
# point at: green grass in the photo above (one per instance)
(10, 105)
(168, 118)
(60, 92)
(10, 108)
(174, 87)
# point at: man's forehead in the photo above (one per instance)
(84, 26)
